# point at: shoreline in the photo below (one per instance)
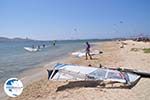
(27, 77)
(43, 67)
(112, 56)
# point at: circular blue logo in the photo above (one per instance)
(13, 87)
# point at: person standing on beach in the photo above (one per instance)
(88, 51)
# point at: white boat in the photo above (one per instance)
(31, 49)
(84, 73)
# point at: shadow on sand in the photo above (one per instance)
(79, 84)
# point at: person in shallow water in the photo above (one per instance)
(38, 47)
(43, 45)
(32, 46)
(54, 43)
(88, 51)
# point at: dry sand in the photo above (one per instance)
(113, 56)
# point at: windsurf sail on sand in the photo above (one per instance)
(83, 53)
(76, 72)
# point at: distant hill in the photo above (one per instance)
(4, 39)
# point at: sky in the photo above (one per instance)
(74, 19)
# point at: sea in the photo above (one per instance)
(14, 59)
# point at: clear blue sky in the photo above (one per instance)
(74, 19)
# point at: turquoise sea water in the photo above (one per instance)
(14, 59)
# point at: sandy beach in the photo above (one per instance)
(40, 88)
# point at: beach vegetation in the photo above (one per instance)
(146, 50)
